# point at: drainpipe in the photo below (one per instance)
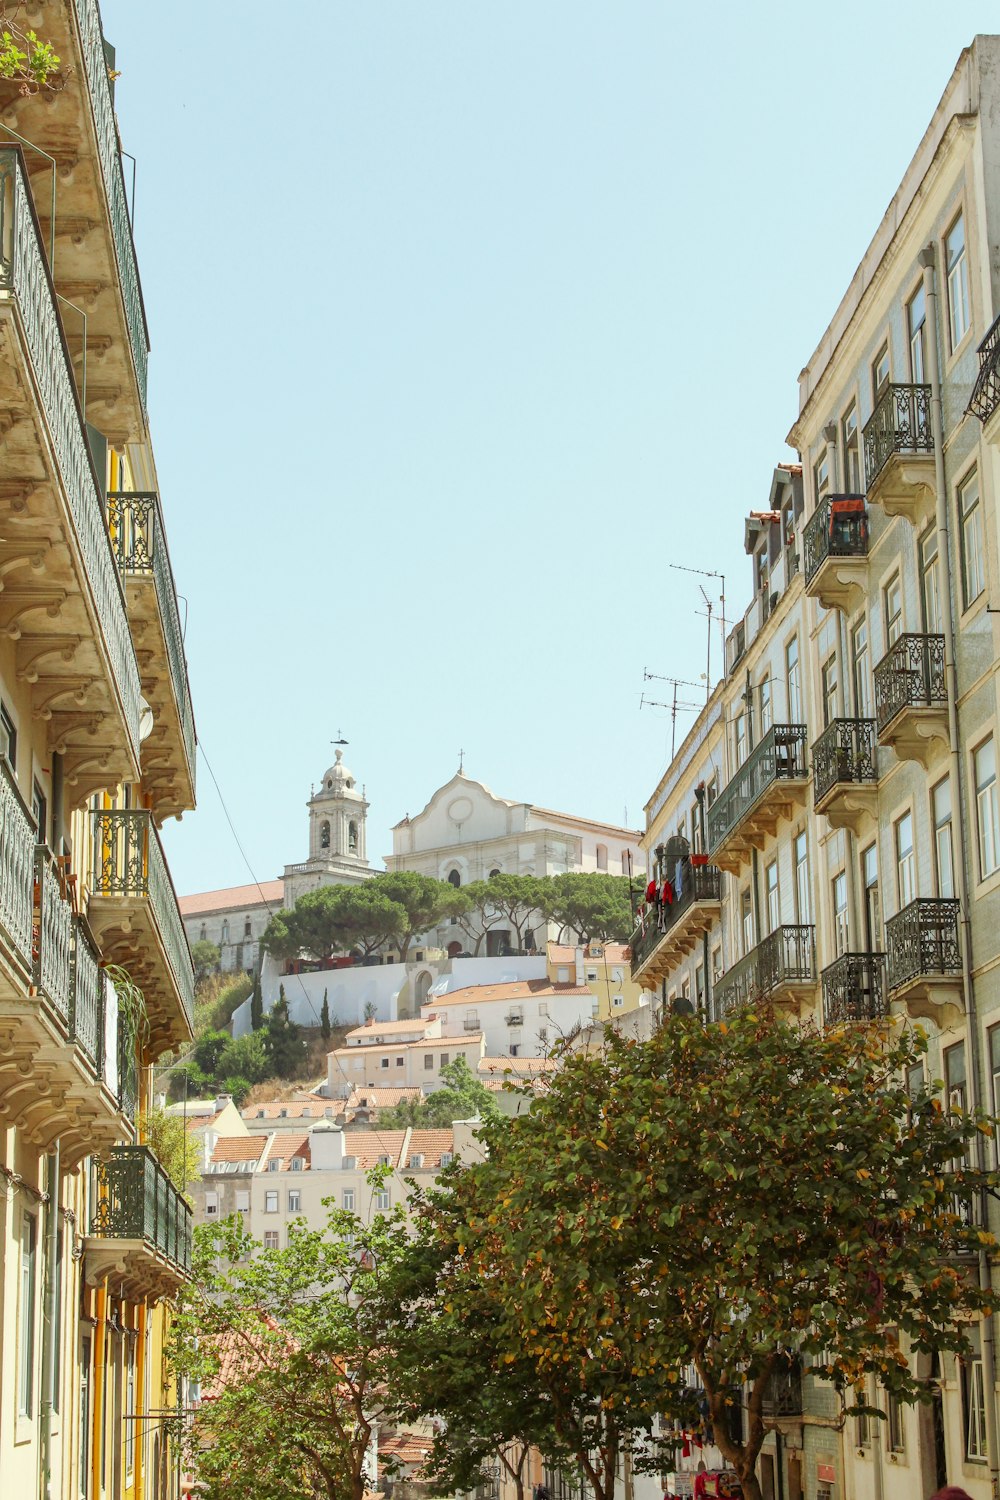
(98, 1416)
(927, 259)
(138, 1414)
(58, 794)
(49, 1323)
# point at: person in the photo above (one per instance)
(951, 1492)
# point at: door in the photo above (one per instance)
(873, 903)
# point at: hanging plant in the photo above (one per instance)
(24, 58)
(132, 1014)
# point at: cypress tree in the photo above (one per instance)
(324, 1018)
(256, 1006)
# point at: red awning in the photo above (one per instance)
(851, 506)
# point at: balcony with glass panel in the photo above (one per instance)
(854, 989)
(899, 453)
(135, 523)
(835, 549)
(780, 972)
(845, 772)
(911, 698)
(85, 217)
(133, 910)
(139, 1232)
(668, 933)
(769, 787)
(984, 402)
(924, 960)
(62, 604)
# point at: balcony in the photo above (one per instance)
(62, 603)
(140, 1230)
(135, 522)
(924, 960)
(96, 267)
(133, 909)
(985, 399)
(768, 787)
(471, 1024)
(783, 1393)
(845, 772)
(780, 971)
(854, 989)
(657, 950)
(911, 698)
(514, 1019)
(899, 453)
(835, 545)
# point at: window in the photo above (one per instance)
(841, 936)
(906, 887)
(852, 457)
(974, 1407)
(915, 1080)
(873, 901)
(130, 1425)
(401, 1062)
(224, 936)
(39, 811)
(916, 325)
(699, 986)
(944, 869)
(954, 1076)
(930, 594)
(895, 1432)
(994, 1038)
(970, 520)
(793, 681)
(294, 1201)
(716, 962)
(296, 1164)
(892, 599)
(454, 878)
(8, 738)
(773, 903)
(764, 703)
(382, 1201)
(602, 856)
(271, 1201)
(247, 929)
(987, 810)
(211, 1205)
(26, 1317)
(383, 1062)
(444, 1059)
(862, 1429)
(880, 372)
(243, 1201)
(270, 1239)
(348, 1199)
(860, 670)
(740, 738)
(821, 477)
(957, 264)
(428, 1062)
(274, 1165)
(746, 908)
(829, 687)
(802, 902)
(203, 933)
(543, 1010)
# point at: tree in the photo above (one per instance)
(516, 899)
(324, 1018)
(256, 1005)
(23, 57)
(284, 1043)
(728, 1197)
(168, 1137)
(244, 1057)
(336, 919)
(591, 908)
(370, 920)
(208, 1049)
(480, 912)
(464, 1097)
(205, 956)
(290, 1347)
(426, 902)
(187, 1081)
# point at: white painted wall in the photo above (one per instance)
(545, 1020)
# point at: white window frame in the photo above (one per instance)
(957, 276)
(987, 809)
(906, 860)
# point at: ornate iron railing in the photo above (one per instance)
(837, 528)
(17, 869)
(128, 861)
(780, 755)
(846, 751)
(922, 939)
(985, 396)
(86, 1006)
(53, 943)
(787, 956)
(698, 883)
(900, 423)
(854, 988)
(96, 66)
(783, 1393)
(24, 273)
(515, 1018)
(136, 1200)
(910, 675)
(135, 520)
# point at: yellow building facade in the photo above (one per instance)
(97, 749)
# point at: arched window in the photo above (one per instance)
(602, 856)
(324, 835)
(352, 838)
(225, 932)
(204, 932)
(454, 878)
(494, 872)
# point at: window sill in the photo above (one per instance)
(986, 887)
(955, 354)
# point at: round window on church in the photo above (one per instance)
(324, 835)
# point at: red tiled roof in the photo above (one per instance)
(201, 1122)
(429, 1144)
(295, 1109)
(239, 1148)
(389, 1028)
(367, 1146)
(285, 1145)
(515, 989)
(380, 1098)
(268, 893)
(446, 1043)
(405, 1448)
(516, 1065)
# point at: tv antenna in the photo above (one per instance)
(674, 707)
(709, 573)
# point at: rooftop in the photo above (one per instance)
(388, 1028)
(237, 1148)
(515, 989)
(268, 893)
(612, 953)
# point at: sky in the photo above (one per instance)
(472, 325)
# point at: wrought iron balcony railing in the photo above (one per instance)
(787, 956)
(783, 1394)
(900, 423)
(922, 940)
(17, 868)
(985, 396)
(87, 1013)
(136, 1200)
(780, 755)
(140, 546)
(854, 988)
(837, 528)
(845, 752)
(469, 1024)
(24, 273)
(53, 941)
(514, 1019)
(99, 88)
(910, 675)
(129, 862)
(699, 883)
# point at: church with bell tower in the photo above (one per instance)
(338, 853)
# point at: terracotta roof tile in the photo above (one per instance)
(379, 1098)
(295, 1109)
(285, 1146)
(516, 989)
(268, 893)
(429, 1144)
(516, 1065)
(239, 1148)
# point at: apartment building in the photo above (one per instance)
(97, 748)
(828, 836)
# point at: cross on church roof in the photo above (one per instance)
(340, 739)
(461, 761)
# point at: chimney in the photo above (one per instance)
(580, 971)
(369, 1020)
(221, 1100)
(326, 1146)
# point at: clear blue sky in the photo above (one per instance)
(467, 319)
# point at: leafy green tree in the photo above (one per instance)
(256, 1005)
(169, 1138)
(426, 902)
(479, 912)
(589, 908)
(284, 1043)
(238, 1088)
(205, 956)
(301, 1336)
(324, 1018)
(517, 901)
(724, 1196)
(208, 1049)
(337, 919)
(464, 1097)
(187, 1081)
(24, 58)
(244, 1057)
